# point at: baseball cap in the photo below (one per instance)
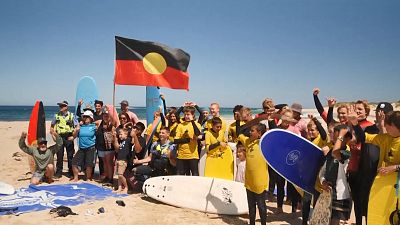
(124, 102)
(280, 106)
(88, 113)
(63, 103)
(41, 140)
(296, 107)
(385, 107)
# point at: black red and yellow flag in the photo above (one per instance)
(150, 64)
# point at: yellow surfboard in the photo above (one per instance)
(219, 163)
(382, 199)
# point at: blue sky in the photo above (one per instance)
(241, 51)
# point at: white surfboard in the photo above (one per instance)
(6, 189)
(205, 194)
(202, 161)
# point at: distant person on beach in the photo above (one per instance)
(125, 108)
(84, 157)
(43, 157)
(256, 173)
(187, 134)
(63, 124)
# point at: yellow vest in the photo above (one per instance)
(64, 124)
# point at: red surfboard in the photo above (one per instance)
(37, 127)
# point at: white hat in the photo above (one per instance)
(88, 113)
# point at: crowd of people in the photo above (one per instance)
(355, 149)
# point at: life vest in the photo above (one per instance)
(64, 124)
(162, 151)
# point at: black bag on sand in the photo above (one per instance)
(62, 211)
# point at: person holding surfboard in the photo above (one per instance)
(63, 124)
(333, 174)
(43, 157)
(87, 141)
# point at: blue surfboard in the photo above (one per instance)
(153, 103)
(293, 157)
(86, 90)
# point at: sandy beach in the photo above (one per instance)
(139, 208)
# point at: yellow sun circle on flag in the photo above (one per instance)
(154, 63)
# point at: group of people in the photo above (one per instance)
(350, 144)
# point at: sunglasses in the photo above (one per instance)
(122, 118)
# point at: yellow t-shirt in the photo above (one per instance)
(256, 173)
(232, 131)
(389, 148)
(318, 141)
(209, 124)
(211, 138)
(150, 129)
(172, 129)
(188, 150)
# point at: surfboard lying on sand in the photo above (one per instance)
(6, 189)
(37, 126)
(295, 158)
(205, 194)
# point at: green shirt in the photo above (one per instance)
(42, 158)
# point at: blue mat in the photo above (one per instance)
(41, 197)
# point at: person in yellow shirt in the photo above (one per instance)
(214, 110)
(318, 136)
(219, 161)
(256, 173)
(389, 143)
(232, 137)
(187, 134)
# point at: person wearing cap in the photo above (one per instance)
(63, 124)
(125, 108)
(43, 157)
(301, 123)
(382, 109)
(87, 141)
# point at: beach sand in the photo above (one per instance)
(139, 209)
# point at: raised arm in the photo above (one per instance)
(318, 104)
(22, 144)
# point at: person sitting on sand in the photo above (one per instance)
(161, 160)
(43, 157)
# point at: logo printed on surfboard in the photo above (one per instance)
(227, 195)
(292, 157)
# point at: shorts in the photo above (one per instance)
(84, 156)
(121, 167)
(103, 154)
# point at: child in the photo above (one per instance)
(256, 173)
(43, 157)
(241, 166)
(187, 134)
(124, 155)
(218, 152)
(317, 135)
(333, 174)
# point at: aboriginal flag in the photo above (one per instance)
(150, 64)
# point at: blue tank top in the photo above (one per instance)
(87, 136)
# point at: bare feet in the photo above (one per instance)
(75, 180)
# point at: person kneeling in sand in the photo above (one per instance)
(43, 157)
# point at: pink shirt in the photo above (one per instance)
(302, 127)
(293, 129)
(134, 118)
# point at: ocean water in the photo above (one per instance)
(23, 113)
